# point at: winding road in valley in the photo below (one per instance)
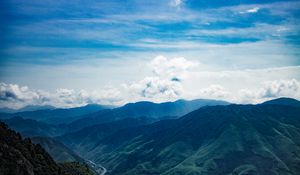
(98, 168)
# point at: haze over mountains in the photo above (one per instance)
(26, 108)
(80, 117)
(56, 116)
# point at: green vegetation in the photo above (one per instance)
(76, 168)
(234, 139)
(58, 151)
(213, 140)
(32, 128)
(21, 157)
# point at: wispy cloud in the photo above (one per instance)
(252, 10)
(176, 3)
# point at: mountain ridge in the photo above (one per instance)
(58, 151)
(283, 101)
(33, 128)
(156, 111)
(57, 115)
(193, 143)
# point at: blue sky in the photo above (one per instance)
(113, 52)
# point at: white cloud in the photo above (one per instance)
(166, 82)
(258, 31)
(273, 89)
(171, 68)
(15, 96)
(154, 89)
(246, 9)
(215, 91)
(176, 3)
(270, 90)
(169, 78)
(253, 10)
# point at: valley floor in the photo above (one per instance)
(97, 167)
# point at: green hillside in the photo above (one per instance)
(234, 139)
(21, 157)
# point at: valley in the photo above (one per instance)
(97, 167)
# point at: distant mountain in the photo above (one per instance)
(57, 116)
(32, 128)
(87, 138)
(156, 111)
(57, 150)
(35, 108)
(216, 140)
(283, 101)
(177, 108)
(26, 108)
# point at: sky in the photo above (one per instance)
(71, 53)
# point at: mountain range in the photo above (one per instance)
(59, 121)
(205, 137)
(231, 139)
(26, 108)
(57, 115)
(283, 101)
(153, 111)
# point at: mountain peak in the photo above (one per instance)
(283, 101)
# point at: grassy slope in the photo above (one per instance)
(57, 150)
(213, 140)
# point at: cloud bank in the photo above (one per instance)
(270, 90)
(167, 82)
(150, 88)
(15, 96)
